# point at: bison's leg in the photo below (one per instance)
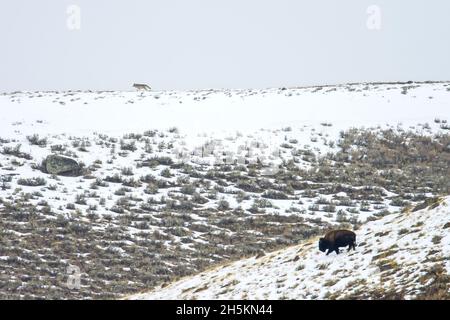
(351, 245)
(354, 246)
(337, 250)
(329, 251)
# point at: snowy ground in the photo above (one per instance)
(400, 254)
(77, 113)
(187, 180)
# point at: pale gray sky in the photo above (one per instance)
(188, 44)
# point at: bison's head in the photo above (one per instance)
(323, 244)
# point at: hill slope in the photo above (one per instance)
(168, 184)
(114, 112)
(400, 255)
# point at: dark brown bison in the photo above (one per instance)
(335, 239)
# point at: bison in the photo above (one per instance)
(337, 238)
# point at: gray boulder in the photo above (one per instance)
(59, 165)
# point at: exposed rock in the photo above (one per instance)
(59, 165)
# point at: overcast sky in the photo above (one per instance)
(188, 44)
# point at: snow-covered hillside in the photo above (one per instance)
(403, 255)
(77, 112)
(167, 184)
